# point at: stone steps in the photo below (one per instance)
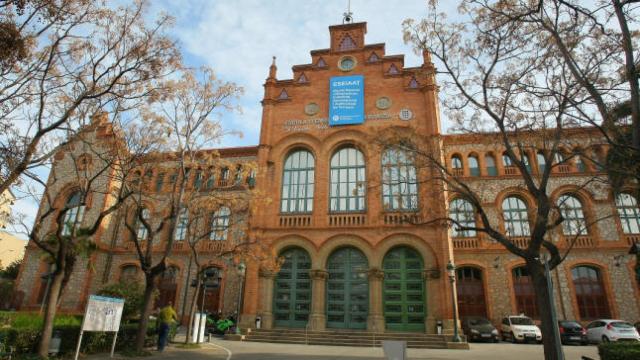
(345, 338)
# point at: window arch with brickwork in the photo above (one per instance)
(298, 179)
(516, 217)
(572, 211)
(629, 213)
(348, 180)
(399, 180)
(524, 292)
(591, 296)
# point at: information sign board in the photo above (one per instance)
(103, 314)
(346, 100)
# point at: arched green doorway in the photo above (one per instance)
(347, 289)
(403, 290)
(292, 295)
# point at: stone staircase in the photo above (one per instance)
(349, 338)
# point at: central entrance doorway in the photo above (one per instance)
(347, 289)
(292, 298)
(404, 305)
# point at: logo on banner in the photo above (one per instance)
(346, 100)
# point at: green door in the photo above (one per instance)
(292, 295)
(347, 289)
(404, 306)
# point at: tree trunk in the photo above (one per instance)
(192, 311)
(147, 304)
(544, 302)
(50, 313)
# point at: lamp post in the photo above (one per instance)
(241, 270)
(451, 270)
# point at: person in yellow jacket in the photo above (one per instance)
(166, 317)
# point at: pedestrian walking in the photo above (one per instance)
(166, 317)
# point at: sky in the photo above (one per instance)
(238, 39)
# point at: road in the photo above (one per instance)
(231, 350)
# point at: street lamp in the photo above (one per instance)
(451, 270)
(241, 271)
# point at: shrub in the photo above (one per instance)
(133, 295)
(619, 351)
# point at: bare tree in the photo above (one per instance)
(504, 74)
(65, 60)
(186, 111)
(89, 165)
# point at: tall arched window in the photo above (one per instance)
(220, 224)
(474, 166)
(574, 222)
(461, 211)
(524, 293)
(399, 181)
(629, 213)
(516, 218)
(141, 232)
(181, 225)
(470, 292)
(456, 162)
(297, 183)
(74, 213)
(348, 181)
(527, 162)
(506, 160)
(490, 163)
(590, 293)
(542, 162)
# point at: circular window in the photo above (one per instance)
(311, 109)
(347, 63)
(405, 114)
(383, 103)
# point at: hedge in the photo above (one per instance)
(619, 351)
(25, 340)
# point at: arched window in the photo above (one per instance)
(348, 181)
(141, 231)
(470, 291)
(461, 211)
(516, 219)
(590, 293)
(629, 213)
(524, 293)
(456, 162)
(558, 158)
(580, 166)
(128, 274)
(399, 181)
(220, 224)
(527, 162)
(542, 162)
(506, 160)
(181, 225)
(574, 222)
(74, 213)
(297, 183)
(490, 163)
(474, 166)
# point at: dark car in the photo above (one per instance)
(572, 332)
(477, 328)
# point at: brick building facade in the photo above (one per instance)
(353, 256)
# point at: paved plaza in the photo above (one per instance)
(232, 350)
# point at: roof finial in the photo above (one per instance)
(272, 69)
(348, 16)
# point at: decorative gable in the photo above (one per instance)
(413, 84)
(373, 57)
(347, 43)
(283, 95)
(321, 63)
(393, 70)
(302, 79)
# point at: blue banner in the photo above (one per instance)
(346, 100)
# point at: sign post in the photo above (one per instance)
(102, 314)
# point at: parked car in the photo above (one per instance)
(637, 326)
(520, 329)
(572, 332)
(477, 328)
(605, 330)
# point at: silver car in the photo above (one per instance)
(605, 330)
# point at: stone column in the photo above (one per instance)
(267, 278)
(318, 318)
(375, 320)
(430, 277)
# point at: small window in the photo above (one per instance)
(542, 162)
(628, 213)
(456, 162)
(506, 160)
(220, 224)
(142, 232)
(211, 180)
(181, 225)
(159, 182)
(197, 182)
